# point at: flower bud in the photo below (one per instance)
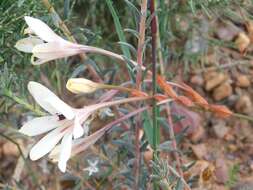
(81, 85)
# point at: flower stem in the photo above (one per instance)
(122, 101)
(173, 140)
(141, 42)
(153, 43)
(114, 87)
(241, 116)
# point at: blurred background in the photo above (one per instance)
(205, 43)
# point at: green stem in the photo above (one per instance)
(245, 117)
(20, 101)
(153, 43)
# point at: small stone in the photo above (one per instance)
(198, 135)
(229, 137)
(243, 186)
(209, 74)
(244, 105)
(223, 91)
(197, 80)
(214, 80)
(242, 42)
(199, 150)
(10, 149)
(220, 130)
(243, 81)
(226, 33)
(221, 171)
(251, 165)
(148, 155)
(232, 148)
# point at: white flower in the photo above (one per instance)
(63, 123)
(92, 168)
(47, 45)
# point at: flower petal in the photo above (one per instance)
(82, 144)
(28, 30)
(65, 153)
(48, 100)
(47, 143)
(40, 125)
(61, 107)
(42, 30)
(27, 44)
(78, 145)
(78, 130)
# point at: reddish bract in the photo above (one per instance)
(184, 101)
(220, 111)
(160, 97)
(166, 87)
(138, 93)
(196, 97)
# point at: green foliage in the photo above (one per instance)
(233, 175)
(164, 176)
(119, 29)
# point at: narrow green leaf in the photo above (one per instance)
(148, 128)
(119, 29)
(180, 185)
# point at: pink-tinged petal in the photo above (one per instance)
(82, 144)
(48, 100)
(27, 44)
(65, 151)
(47, 143)
(42, 30)
(40, 125)
(61, 107)
(55, 50)
(78, 130)
(78, 145)
(55, 153)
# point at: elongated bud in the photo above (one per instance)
(195, 96)
(184, 101)
(160, 97)
(81, 85)
(138, 93)
(220, 111)
(166, 87)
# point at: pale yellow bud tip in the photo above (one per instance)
(81, 85)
